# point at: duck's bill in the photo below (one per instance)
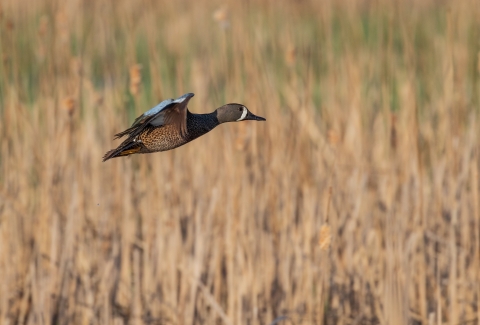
(253, 117)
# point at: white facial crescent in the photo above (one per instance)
(244, 114)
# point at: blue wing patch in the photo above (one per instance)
(167, 102)
(154, 117)
(160, 107)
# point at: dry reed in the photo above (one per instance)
(357, 202)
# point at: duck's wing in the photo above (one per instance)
(170, 111)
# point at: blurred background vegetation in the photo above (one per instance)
(357, 202)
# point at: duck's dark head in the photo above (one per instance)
(235, 113)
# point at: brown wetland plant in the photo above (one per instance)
(357, 202)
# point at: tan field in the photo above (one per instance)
(356, 202)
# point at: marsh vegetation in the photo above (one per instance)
(357, 202)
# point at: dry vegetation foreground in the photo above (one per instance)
(357, 202)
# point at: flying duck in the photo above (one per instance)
(170, 125)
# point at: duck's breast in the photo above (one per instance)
(162, 138)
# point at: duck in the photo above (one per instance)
(170, 125)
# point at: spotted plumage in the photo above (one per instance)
(170, 125)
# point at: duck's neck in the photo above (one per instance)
(199, 124)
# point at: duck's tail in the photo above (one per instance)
(125, 149)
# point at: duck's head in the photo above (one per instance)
(236, 113)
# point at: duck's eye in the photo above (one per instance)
(240, 109)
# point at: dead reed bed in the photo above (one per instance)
(357, 202)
